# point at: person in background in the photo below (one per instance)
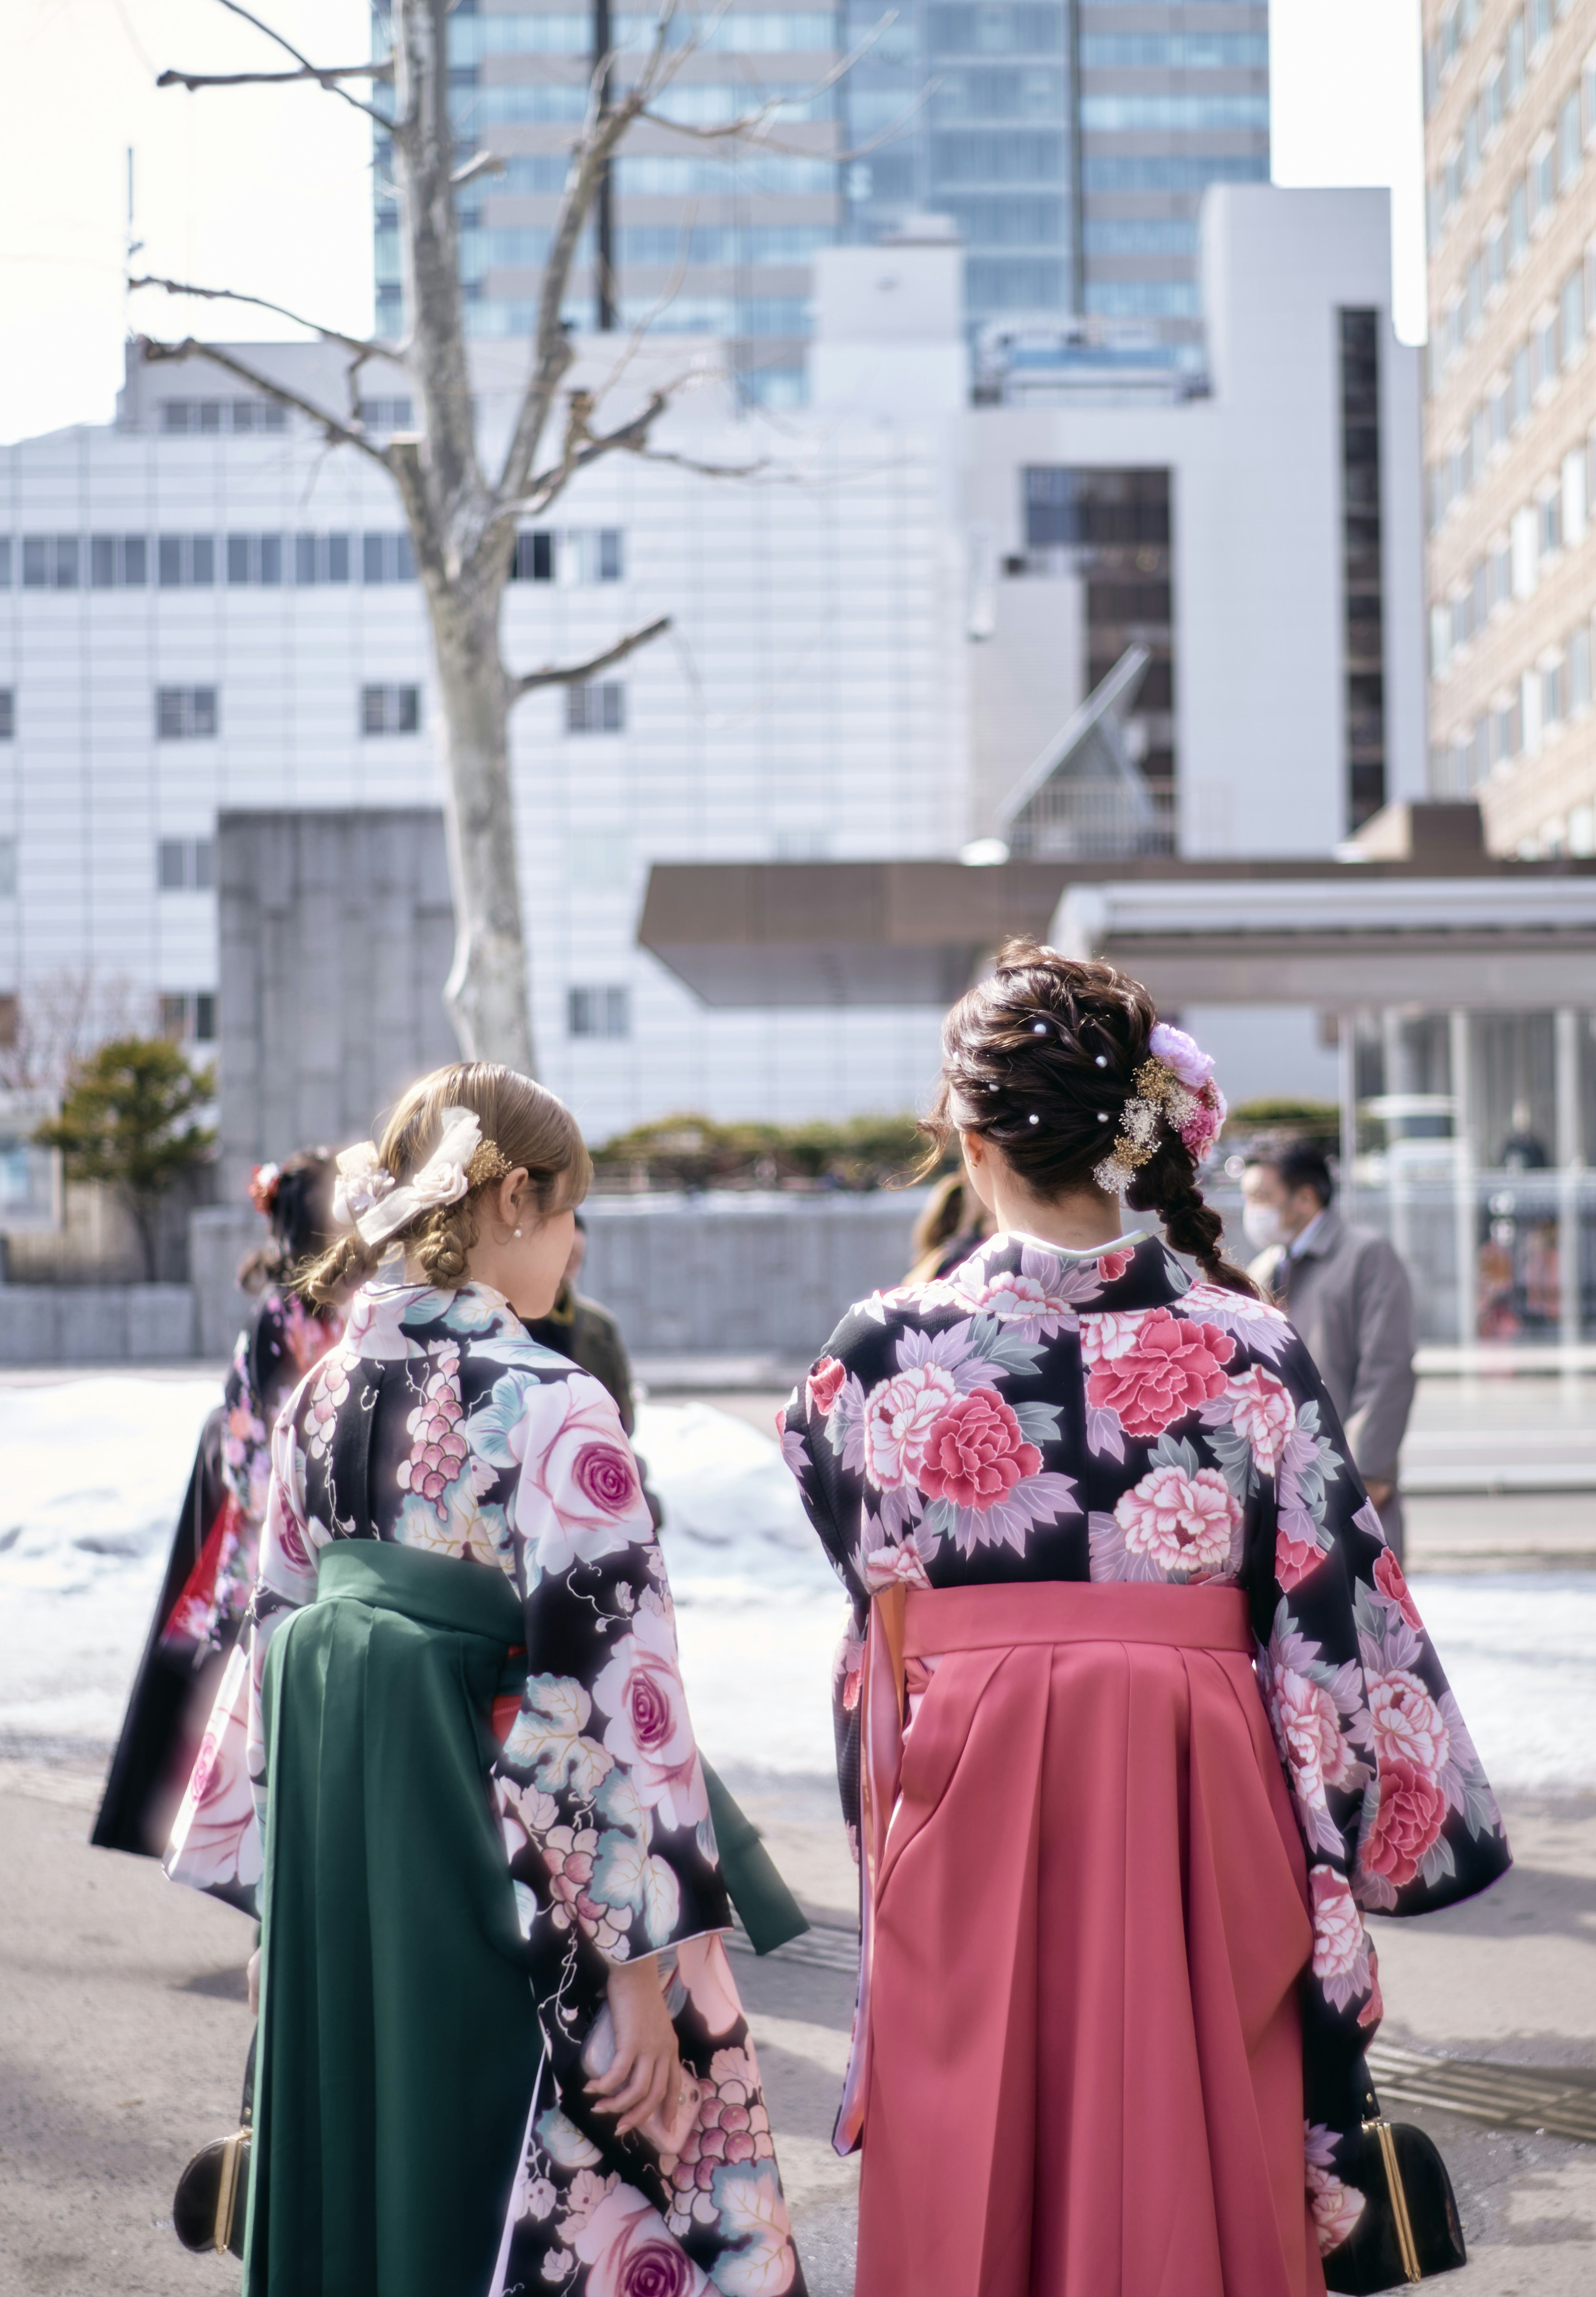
(1524, 1150)
(1349, 1296)
(216, 1546)
(953, 1224)
(587, 1335)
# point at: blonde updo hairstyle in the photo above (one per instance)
(525, 1122)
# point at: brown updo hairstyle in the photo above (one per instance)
(1059, 1040)
(527, 1125)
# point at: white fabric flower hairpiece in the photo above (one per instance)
(368, 1199)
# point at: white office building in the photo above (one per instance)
(879, 637)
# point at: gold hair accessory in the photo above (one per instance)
(488, 1162)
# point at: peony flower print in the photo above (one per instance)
(1037, 1300)
(1307, 1728)
(649, 1733)
(1181, 1521)
(898, 1415)
(974, 1454)
(1262, 1413)
(1336, 2207)
(1406, 1723)
(1407, 1819)
(1393, 1585)
(1340, 1941)
(1169, 1367)
(896, 1564)
(824, 1384)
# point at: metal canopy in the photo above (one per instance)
(1507, 936)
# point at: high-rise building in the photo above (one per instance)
(1070, 141)
(1510, 157)
(715, 238)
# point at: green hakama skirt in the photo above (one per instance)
(399, 2041)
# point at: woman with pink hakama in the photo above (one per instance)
(1137, 1714)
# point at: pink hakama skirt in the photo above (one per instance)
(1080, 2048)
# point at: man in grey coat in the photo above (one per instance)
(1348, 1294)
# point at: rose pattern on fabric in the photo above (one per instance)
(1169, 1368)
(1182, 1436)
(481, 1445)
(974, 1452)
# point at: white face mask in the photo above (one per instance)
(1261, 1224)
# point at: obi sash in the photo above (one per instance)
(925, 1622)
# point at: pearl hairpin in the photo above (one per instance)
(1102, 1060)
(1034, 1118)
(1102, 1117)
(1038, 1028)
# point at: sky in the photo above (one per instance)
(267, 190)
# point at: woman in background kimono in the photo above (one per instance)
(500, 2047)
(1116, 1584)
(215, 1548)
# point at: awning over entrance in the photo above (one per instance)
(1506, 935)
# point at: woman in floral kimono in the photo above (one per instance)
(198, 1613)
(1137, 1712)
(500, 2046)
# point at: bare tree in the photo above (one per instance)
(462, 517)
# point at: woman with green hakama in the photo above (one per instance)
(500, 2045)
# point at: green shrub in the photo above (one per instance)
(690, 1151)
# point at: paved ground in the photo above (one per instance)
(122, 2035)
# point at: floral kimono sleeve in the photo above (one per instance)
(1396, 1811)
(818, 1468)
(601, 1789)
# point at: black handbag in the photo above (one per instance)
(1409, 2227)
(209, 2207)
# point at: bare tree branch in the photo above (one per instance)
(363, 348)
(486, 163)
(576, 673)
(703, 470)
(333, 72)
(337, 434)
(332, 85)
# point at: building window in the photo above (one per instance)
(8, 892)
(1543, 187)
(1571, 306)
(255, 558)
(117, 561)
(390, 709)
(184, 865)
(386, 558)
(1570, 141)
(1513, 51)
(50, 562)
(1518, 222)
(596, 554)
(1551, 694)
(597, 709)
(321, 558)
(196, 417)
(188, 1015)
(185, 562)
(8, 713)
(386, 414)
(533, 559)
(1548, 524)
(1362, 580)
(602, 1012)
(184, 713)
(1546, 358)
(1579, 671)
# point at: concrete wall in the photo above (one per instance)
(96, 1323)
(336, 932)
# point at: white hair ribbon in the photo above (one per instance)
(368, 1199)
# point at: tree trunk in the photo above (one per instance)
(486, 994)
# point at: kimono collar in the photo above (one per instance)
(473, 1307)
(1135, 1270)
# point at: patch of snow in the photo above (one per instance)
(1519, 1650)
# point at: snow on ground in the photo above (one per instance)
(93, 1471)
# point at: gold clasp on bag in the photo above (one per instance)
(1407, 2249)
(233, 2156)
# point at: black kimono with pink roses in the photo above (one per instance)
(1040, 1414)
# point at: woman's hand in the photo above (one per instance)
(644, 2083)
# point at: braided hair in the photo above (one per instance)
(1040, 1059)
